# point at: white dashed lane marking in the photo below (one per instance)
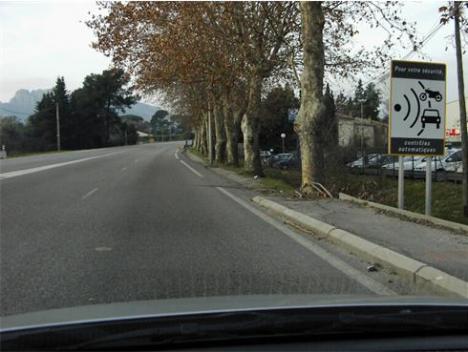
(89, 193)
(191, 168)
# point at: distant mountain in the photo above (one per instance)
(143, 110)
(24, 102)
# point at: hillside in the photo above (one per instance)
(24, 101)
(142, 109)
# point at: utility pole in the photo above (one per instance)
(364, 161)
(57, 116)
(462, 104)
(362, 128)
(283, 136)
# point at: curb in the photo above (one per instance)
(418, 271)
(408, 214)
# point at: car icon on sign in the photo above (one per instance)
(430, 116)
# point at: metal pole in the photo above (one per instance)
(461, 102)
(401, 183)
(282, 139)
(362, 136)
(57, 116)
(126, 137)
(428, 185)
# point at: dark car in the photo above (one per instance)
(277, 157)
(246, 323)
(286, 161)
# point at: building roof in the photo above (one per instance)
(143, 134)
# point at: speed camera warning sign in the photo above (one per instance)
(417, 108)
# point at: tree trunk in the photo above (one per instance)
(196, 139)
(232, 135)
(251, 127)
(210, 134)
(220, 135)
(203, 136)
(238, 114)
(108, 123)
(461, 101)
(307, 126)
(106, 131)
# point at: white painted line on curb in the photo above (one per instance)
(51, 166)
(334, 261)
(191, 168)
(89, 193)
(176, 155)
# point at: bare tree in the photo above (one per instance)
(326, 29)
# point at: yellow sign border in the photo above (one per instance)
(389, 138)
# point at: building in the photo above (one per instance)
(144, 137)
(354, 131)
(452, 124)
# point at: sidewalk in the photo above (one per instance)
(442, 249)
(425, 252)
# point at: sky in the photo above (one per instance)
(40, 41)
(440, 48)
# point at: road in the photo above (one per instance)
(145, 222)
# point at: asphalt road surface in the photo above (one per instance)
(144, 222)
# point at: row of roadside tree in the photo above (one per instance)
(216, 60)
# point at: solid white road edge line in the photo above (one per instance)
(89, 193)
(191, 168)
(334, 261)
(51, 166)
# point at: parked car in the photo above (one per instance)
(359, 162)
(265, 156)
(286, 161)
(454, 161)
(437, 164)
(380, 160)
(447, 163)
(276, 157)
(409, 162)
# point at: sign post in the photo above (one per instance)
(417, 116)
(428, 185)
(401, 183)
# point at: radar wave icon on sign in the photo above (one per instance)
(413, 110)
